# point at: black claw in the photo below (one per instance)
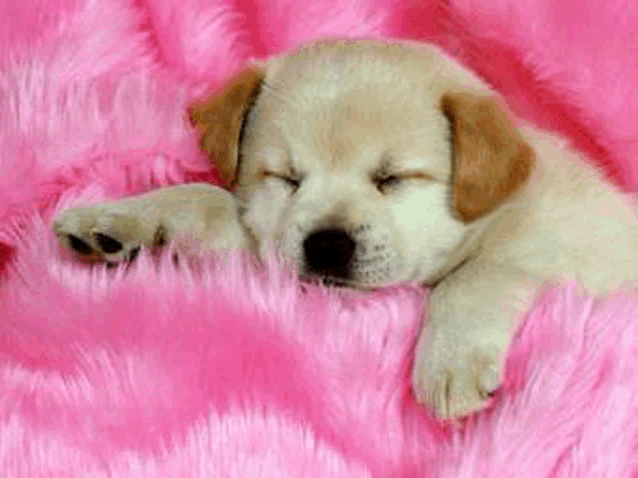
(133, 254)
(485, 395)
(79, 246)
(159, 238)
(108, 244)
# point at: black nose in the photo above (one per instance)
(329, 252)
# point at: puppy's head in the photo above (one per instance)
(367, 163)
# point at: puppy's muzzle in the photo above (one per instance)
(329, 253)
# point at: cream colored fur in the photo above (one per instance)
(336, 117)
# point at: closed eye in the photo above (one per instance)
(384, 183)
(291, 181)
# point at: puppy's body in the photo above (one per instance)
(377, 163)
(563, 215)
(568, 223)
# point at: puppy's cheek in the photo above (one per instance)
(264, 218)
(275, 248)
(290, 244)
(419, 273)
(263, 243)
(424, 267)
(260, 221)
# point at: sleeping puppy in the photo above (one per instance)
(377, 163)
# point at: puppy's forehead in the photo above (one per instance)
(344, 64)
(358, 103)
(313, 77)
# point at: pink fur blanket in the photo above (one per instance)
(232, 370)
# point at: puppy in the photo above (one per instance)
(374, 163)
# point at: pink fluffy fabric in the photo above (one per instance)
(230, 368)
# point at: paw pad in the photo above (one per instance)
(107, 244)
(79, 246)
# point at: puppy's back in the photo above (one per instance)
(569, 222)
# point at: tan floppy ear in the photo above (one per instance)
(220, 117)
(491, 159)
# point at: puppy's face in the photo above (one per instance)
(351, 183)
(348, 158)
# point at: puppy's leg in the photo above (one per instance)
(196, 217)
(460, 354)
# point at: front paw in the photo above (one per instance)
(456, 374)
(106, 232)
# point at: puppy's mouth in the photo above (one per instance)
(335, 282)
(318, 279)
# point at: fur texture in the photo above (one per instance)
(226, 369)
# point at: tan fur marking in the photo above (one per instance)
(491, 160)
(218, 120)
